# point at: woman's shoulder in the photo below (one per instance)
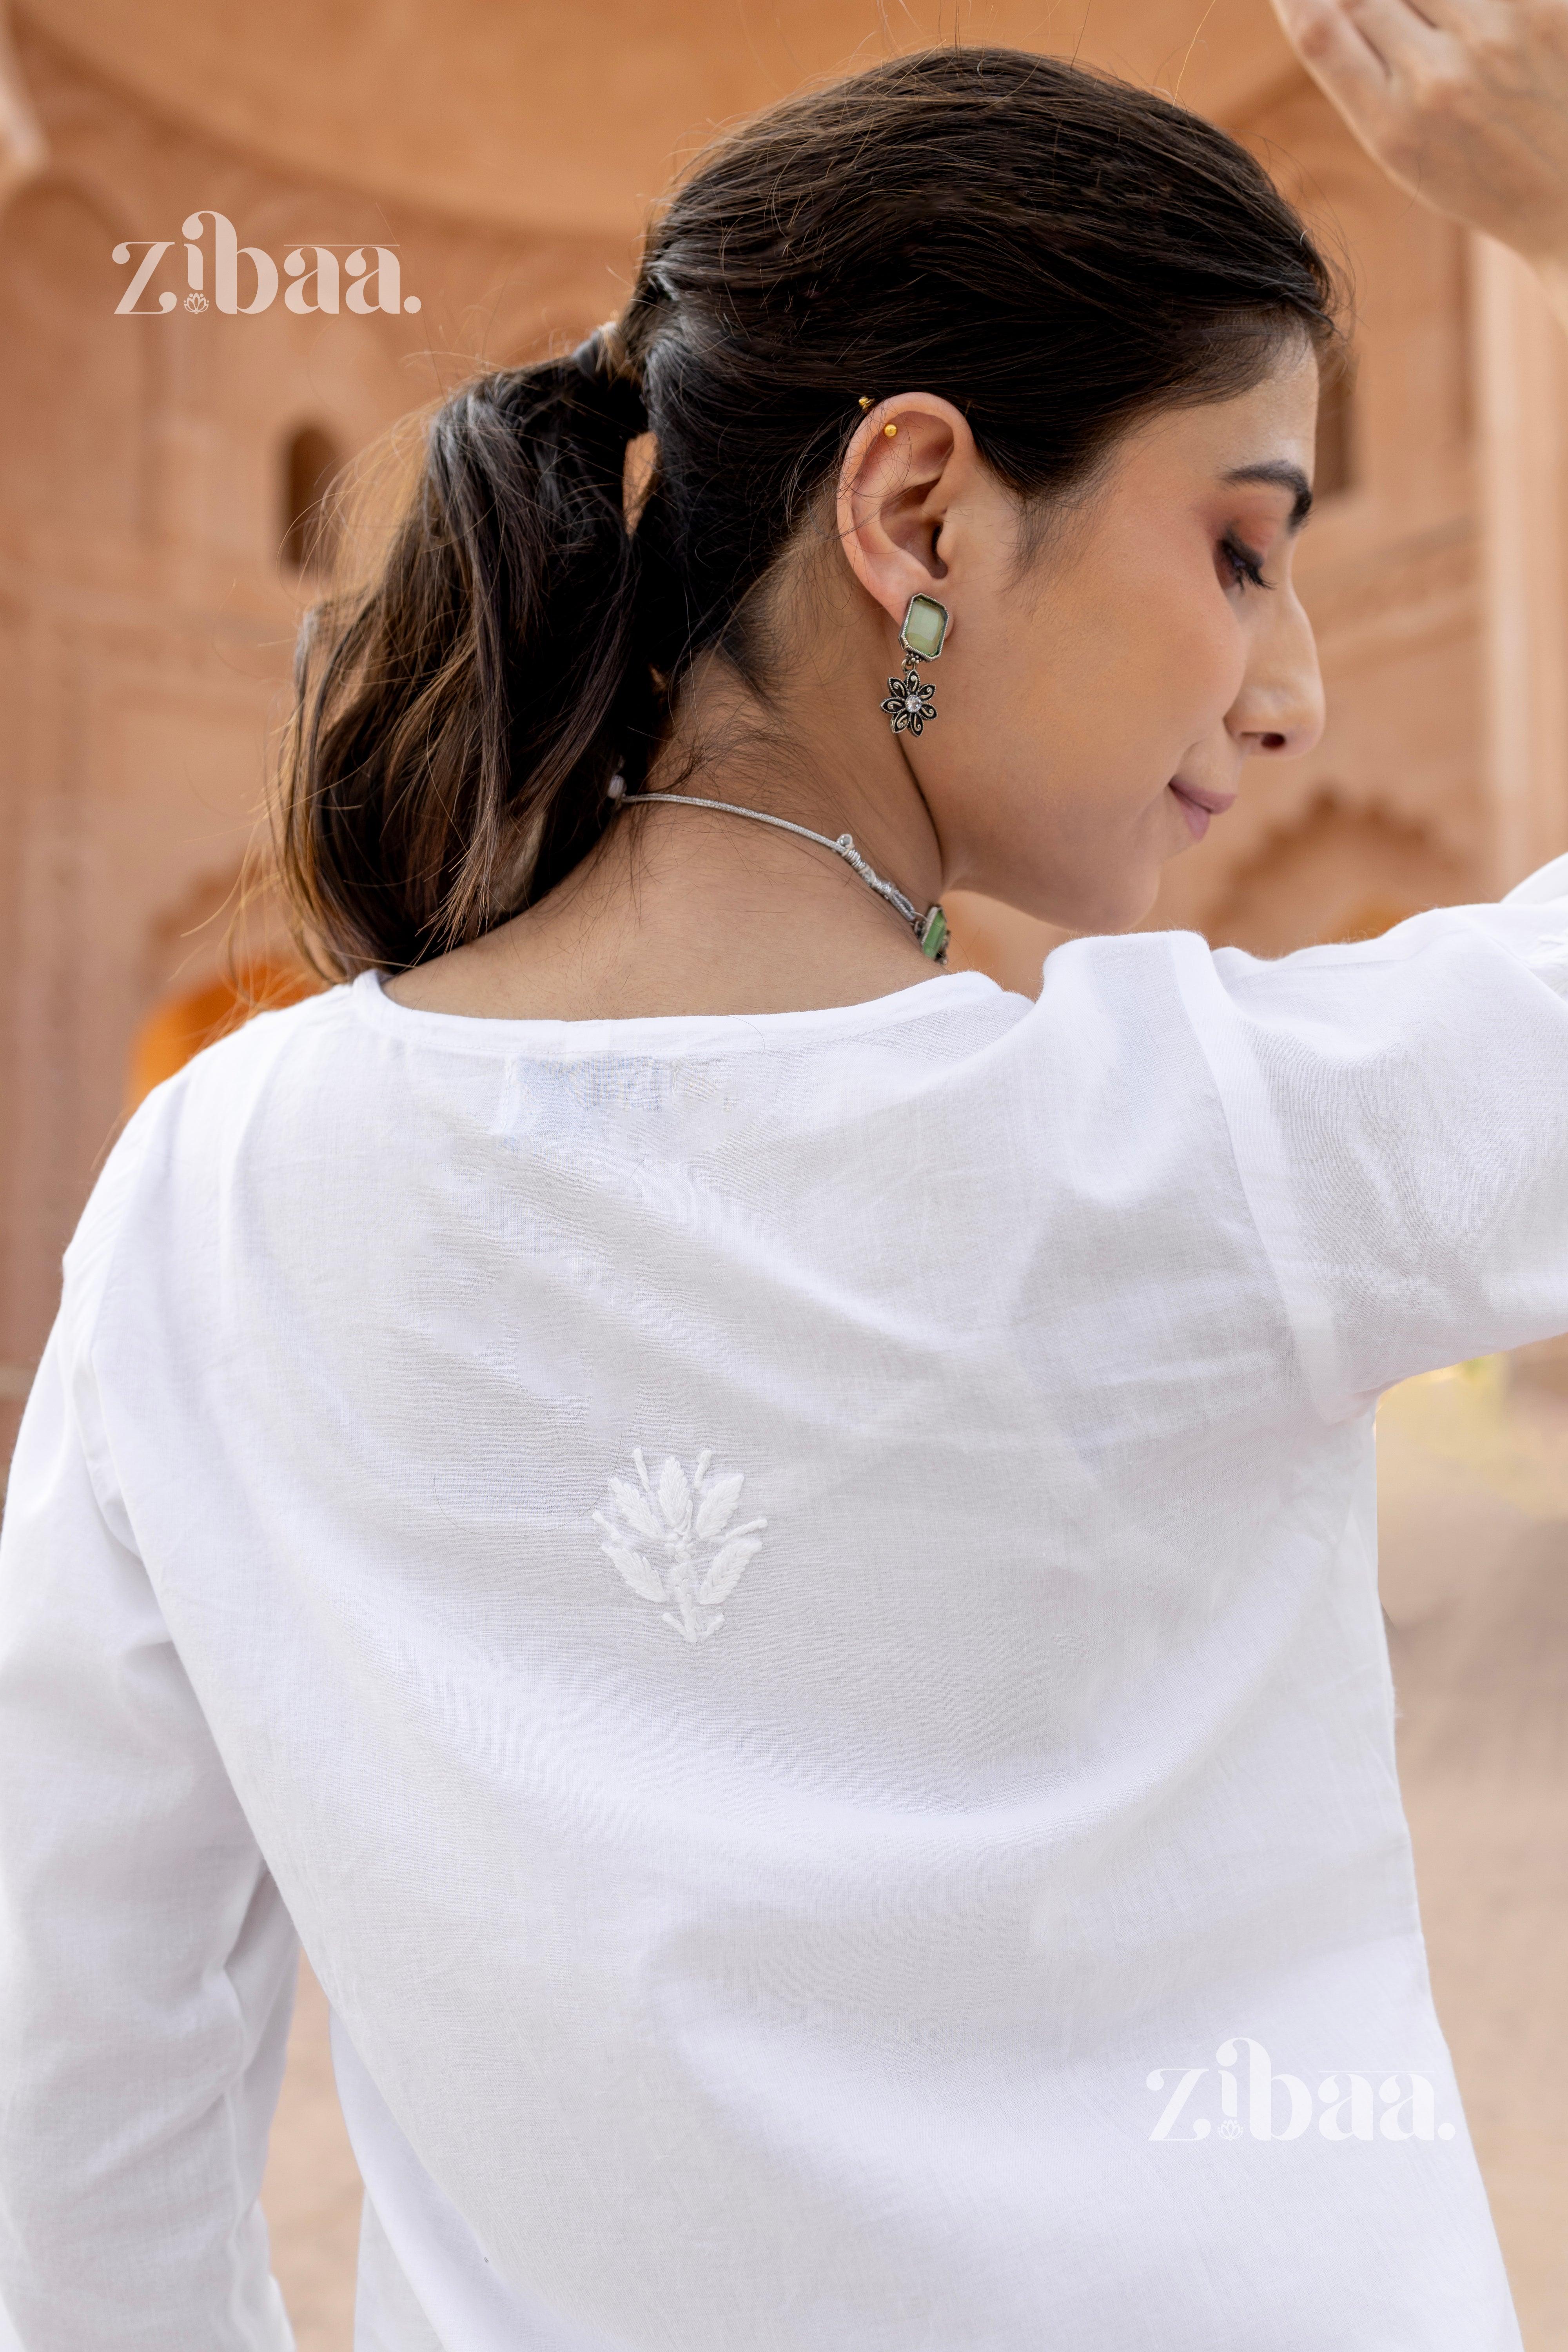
(269, 1053)
(1410, 963)
(185, 1122)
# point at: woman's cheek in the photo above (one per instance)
(1204, 654)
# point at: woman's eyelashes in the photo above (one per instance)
(1246, 567)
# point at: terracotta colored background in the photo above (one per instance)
(156, 481)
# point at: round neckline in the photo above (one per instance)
(661, 1031)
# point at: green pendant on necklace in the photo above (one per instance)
(932, 936)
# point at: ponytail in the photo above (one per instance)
(457, 726)
(1056, 254)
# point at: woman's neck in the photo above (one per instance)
(688, 910)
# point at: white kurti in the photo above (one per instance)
(786, 1606)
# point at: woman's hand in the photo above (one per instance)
(1464, 103)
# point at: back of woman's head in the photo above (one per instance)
(1056, 253)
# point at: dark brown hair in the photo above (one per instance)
(1053, 252)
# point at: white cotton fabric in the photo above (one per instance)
(791, 1983)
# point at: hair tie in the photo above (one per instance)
(592, 356)
(599, 358)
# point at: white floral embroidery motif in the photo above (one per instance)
(679, 1520)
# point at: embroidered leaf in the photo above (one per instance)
(636, 1508)
(639, 1573)
(717, 1507)
(726, 1571)
(674, 1495)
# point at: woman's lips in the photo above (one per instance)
(1198, 806)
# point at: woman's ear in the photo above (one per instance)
(908, 462)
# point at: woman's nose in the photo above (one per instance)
(1279, 710)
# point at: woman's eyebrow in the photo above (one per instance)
(1282, 477)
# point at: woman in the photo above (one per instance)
(764, 1550)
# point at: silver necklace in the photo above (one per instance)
(929, 929)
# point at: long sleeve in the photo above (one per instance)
(1398, 1114)
(146, 1961)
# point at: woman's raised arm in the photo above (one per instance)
(1464, 103)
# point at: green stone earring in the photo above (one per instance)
(910, 704)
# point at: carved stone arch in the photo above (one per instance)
(1337, 872)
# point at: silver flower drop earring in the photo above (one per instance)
(910, 704)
